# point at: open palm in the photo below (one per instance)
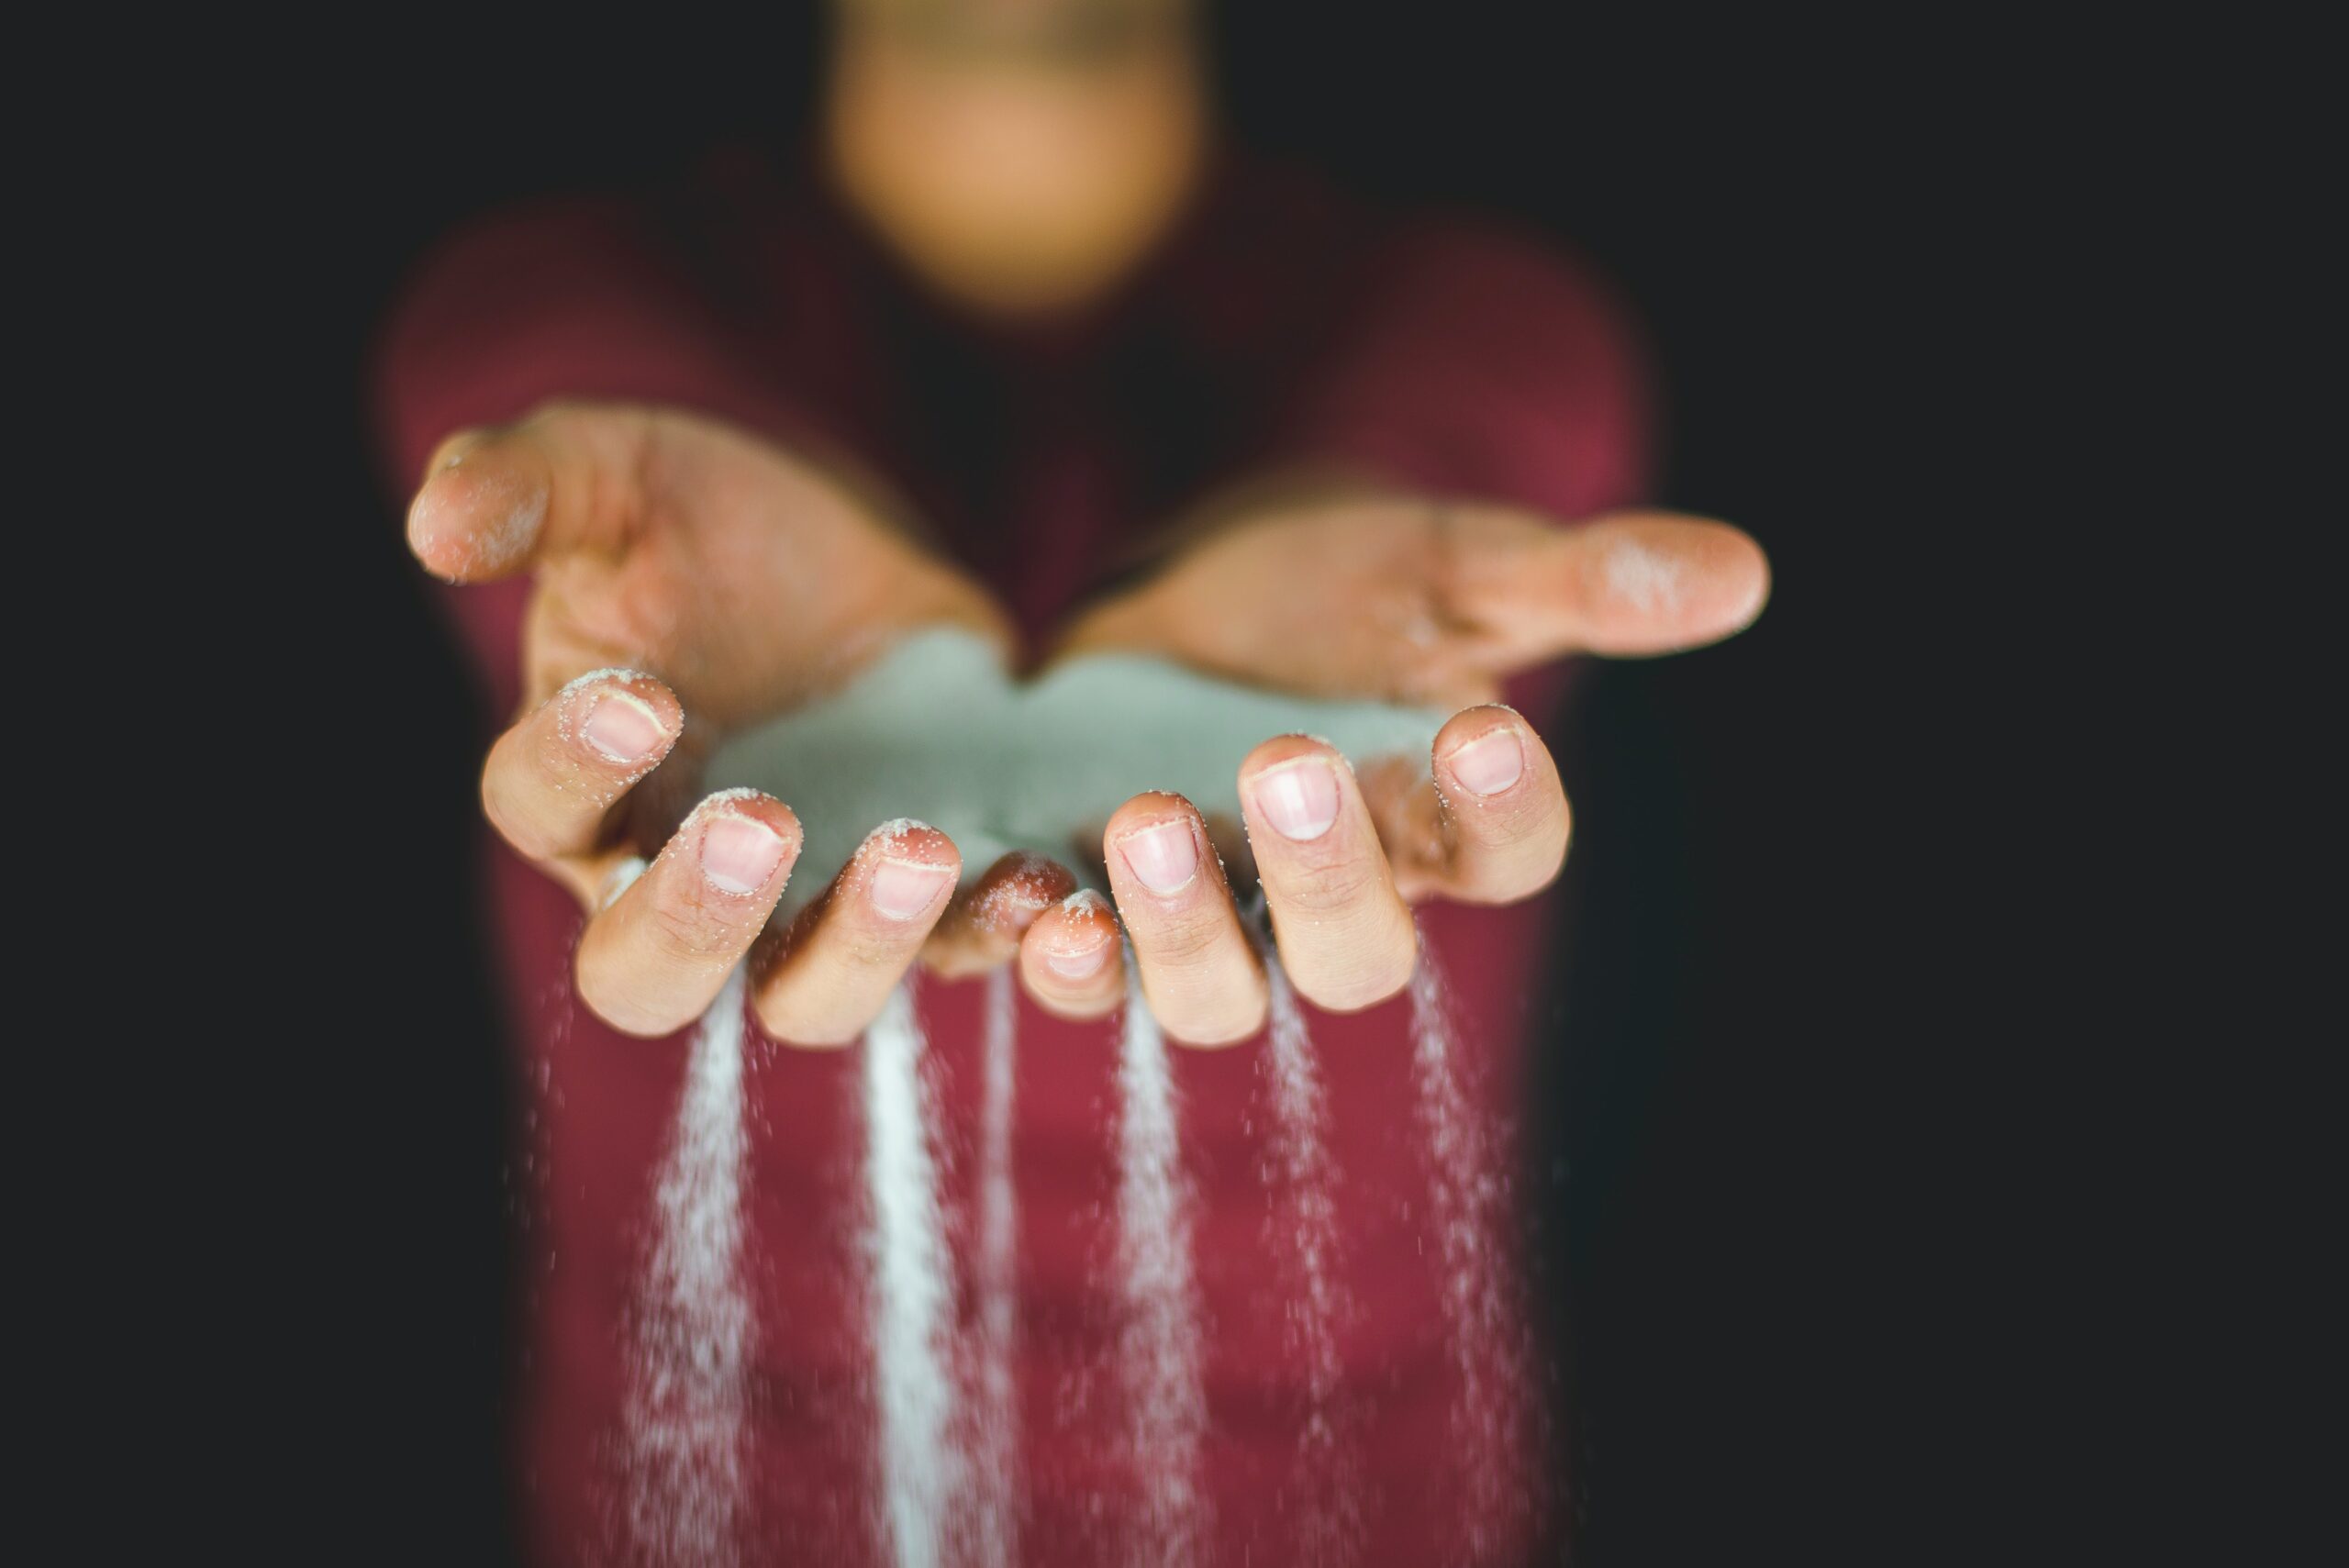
(690, 579)
(687, 580)
(1395, 596)
(749, 578)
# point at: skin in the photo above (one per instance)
(688, 579)
(1020, 155)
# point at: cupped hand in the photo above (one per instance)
(687, 580)
(1377, 596)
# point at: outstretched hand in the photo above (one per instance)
(689, 580)
(1389, 597)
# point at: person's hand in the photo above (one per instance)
(687, 580)
(1370, 597)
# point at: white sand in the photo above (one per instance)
(1484, 1320)
(1303, 1242)
(912, 1291)
(685, 1418)
(936, 731)
(995, 1446)
(1160, 1351)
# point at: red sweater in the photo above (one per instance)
(1279, 326)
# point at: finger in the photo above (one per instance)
(552, 779)
(655, 960)
(824, 980)
(1633, 582)
(564, 479)
(1199, 970)
(1345, 936)
(1068, 960)
(982, 928)
(1488, 825)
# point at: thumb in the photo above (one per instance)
(1624, 583)
(496, 501)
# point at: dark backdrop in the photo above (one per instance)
(1744, 1221)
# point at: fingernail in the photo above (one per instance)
(1078, 965)
(1298, 798)
(623, 727)
(1165, 856)
(739, 853)
(1490, 763)
(903, 889)
(460, 447)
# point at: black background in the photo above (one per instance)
(1837, 239)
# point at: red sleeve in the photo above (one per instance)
(1479, 365)
(577, 299)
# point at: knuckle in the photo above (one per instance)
(1510, 879)
(868, 951)
(1531, 841)
(685, 929)
(1328, 889)
(1185, 943)
(1509, 823)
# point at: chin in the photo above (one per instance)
(1019, 197)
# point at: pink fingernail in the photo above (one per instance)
(1078, 965)
(903, 889)
(1298, 798)
(1490, 763)
(623, 727)
(739, 854)
(1165, 856)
